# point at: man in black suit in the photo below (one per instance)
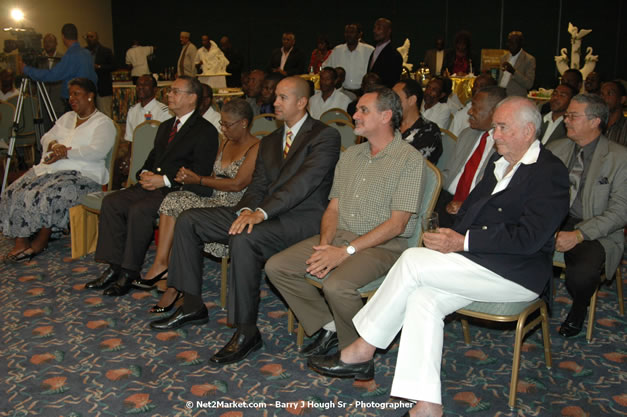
(103, 64)
(499, 250)
(288, 60)
(385, 59)
(127, 217)
(282, 205)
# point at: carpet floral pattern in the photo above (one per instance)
(68, 351)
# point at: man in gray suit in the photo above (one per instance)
(473, 149)
(518, 68)
(592, 235)
(282, 206)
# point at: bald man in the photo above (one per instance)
(282, 205)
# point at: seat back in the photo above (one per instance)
(265, 122)
(7, 110)
(113, 152)
(335, 114)
(431, 192)
(448, 148)
(346, 132)
(261, 134)
(143, 142)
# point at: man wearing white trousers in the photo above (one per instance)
(499, 250)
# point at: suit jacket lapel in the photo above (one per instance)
(182, 132)
(299, 140)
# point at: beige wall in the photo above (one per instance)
(48, 16)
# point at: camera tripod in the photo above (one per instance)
(44, 103)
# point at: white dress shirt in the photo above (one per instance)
(90, 143)
(213, 60)
(213, 117)
(354, 62)
(317, 105)
(137, 56)
(440, 114)
(489, 144)
(154, 110)
(551, 126)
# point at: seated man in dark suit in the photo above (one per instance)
(592, 236)
(127, 217)
(473, 150)
(499, 250)
(553, 127)
(283, 205)
(385, 59)
(288, 60)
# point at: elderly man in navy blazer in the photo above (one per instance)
(499, 250)
(592, 236)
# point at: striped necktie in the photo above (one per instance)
(174, 130)
(288, 143)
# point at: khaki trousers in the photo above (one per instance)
(341, 301)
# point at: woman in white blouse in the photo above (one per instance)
(72, 164)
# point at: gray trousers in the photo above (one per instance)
(340, 301)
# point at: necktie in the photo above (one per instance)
(182, 61)
(465, 181)
(575, 176)
(174, 130)
(288, 143)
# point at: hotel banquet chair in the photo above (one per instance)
(558, 261)
(265, 122)
(433, 184)
(448, 148)
(335, 114)
(260, 134)
(84, 216)
(508, 312)
(348, 137)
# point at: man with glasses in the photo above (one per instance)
(592, 235)
(282, 205)
(127, 217)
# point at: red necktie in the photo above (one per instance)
(465, 181)
(174, 130)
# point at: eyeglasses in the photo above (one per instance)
(228, 125)
(572, 116)
(177, 91)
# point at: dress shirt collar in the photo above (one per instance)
(149, 104)
(530, 157)
(295, 128)
(183, 119)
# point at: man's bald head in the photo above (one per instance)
(299, 86)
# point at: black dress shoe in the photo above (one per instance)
(326, 340)
(570, 328)
(121, 286)
(147, 284)
(238, 348)
(103, 280)
(332, 366)
(180, 319)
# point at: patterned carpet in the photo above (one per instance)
(67, 351)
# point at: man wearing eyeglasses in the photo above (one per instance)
(592, 235)
(127, 217)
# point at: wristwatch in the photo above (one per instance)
(350, 249)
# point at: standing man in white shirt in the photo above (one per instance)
(137, 58)
(352, 56)
(147, 107)
(185, 64)
(553, 122)
(434, 105)
(518, 68)
(328, 97)
(209, 58)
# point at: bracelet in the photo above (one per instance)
(580, 237)
(200, 177)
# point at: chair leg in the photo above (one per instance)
(223, 280)
(300, 336)
(466, 331)
(591, 311)
(546, 336)
(290, 321)
(516, 361)
(619, 290)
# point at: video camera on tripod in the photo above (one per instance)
(28, 44)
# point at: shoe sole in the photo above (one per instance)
(254, 348)
(357, 376)
(178, 326)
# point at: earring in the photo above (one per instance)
(88, 99)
